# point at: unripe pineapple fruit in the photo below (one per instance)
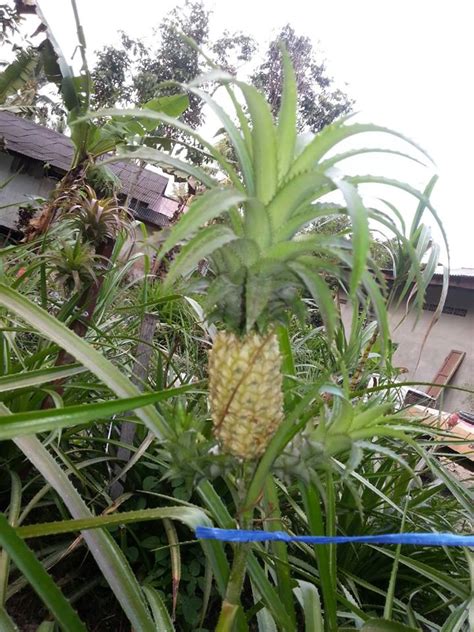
(245, 389)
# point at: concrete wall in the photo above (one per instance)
(451, 332)
(21, 189)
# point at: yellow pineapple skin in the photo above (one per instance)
(245, 392)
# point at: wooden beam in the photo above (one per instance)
(451, 364)
(140, 371)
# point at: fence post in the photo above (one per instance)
(140, 371)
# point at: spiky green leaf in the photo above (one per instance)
(204, 208)
(382, 625)
(308, 597)
(263, 143)
(258, 225)
(161, 615)
(28, 423)
(333, 134)
(155, 156)
(287, 117)
(242, 150)
(41, 582)
(295, 193)
(202, 245)
(161, 117)
(16, 381)
(320, 292)
(360, 231)
(50, 327)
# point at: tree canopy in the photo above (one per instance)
(320, 102)
(135, 73)
(132, 72)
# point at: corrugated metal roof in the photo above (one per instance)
(462, 272)
(35, 141)
(151, 217)
(167, 206)
(456, 272)
(458, 278)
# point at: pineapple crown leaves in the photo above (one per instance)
(96, 219)
(344, 430)
(74, 265)
(345, 424)
(275, 188)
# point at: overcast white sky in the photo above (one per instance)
(408, 64)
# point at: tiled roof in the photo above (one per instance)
(140, 183)
(35, 141)
(167, 206)
(32, 140)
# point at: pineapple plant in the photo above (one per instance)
(249, 224)
(98, 220)
(74, 266)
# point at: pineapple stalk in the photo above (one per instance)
(230, 604)
(246, 398)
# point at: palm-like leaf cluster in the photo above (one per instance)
(261, 262)
(97, 220)
(74, 265)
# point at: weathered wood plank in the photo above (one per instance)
(141, 367)
(451, 364)
(449, 422)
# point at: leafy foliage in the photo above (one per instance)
(133, 73)
(259, 258)
(10, 19)
(343, 461)
(33, 67)
(363, 489)
(17, 73)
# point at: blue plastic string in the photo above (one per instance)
(420, 539)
